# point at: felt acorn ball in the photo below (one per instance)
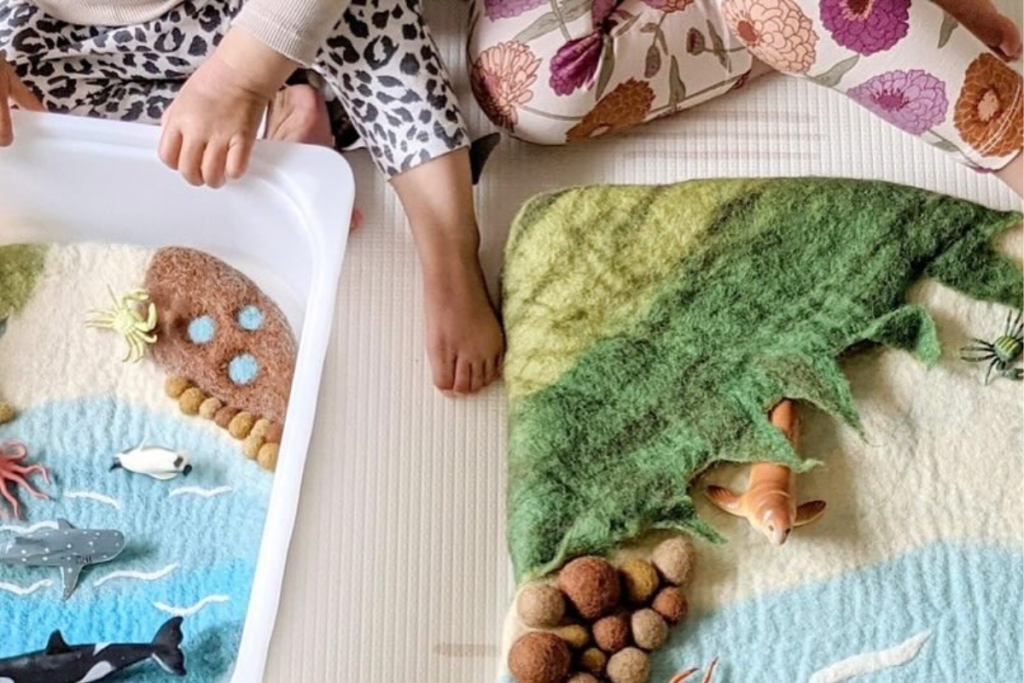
(592, 586)
(274, 432)
(241, 424)
(639, 581)
(582, 677)
(267, 457)
(251, 446)
(671, 604)
(649, 629)
(7, 412)
(540, 605)
(593, 660)
(224, 416)
(674, 558)
(208, 408)
(611, 633)
(174, 387)
(539, 657)
(576, 636)
(629, 666)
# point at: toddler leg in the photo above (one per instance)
(908, 62)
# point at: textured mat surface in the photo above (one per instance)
(399, 572)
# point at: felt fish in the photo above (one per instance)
(159, 463)
(651, 329)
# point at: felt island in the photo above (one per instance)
(149, 388)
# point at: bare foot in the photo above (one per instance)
(981, 18)
(299, 114)
(464, 339)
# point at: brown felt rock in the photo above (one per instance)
(274, 432)
(592, 586)
(674, 558)
(190, 401)
(175, 386)
(209, 407)
(260, 428)
(7, 412)
(611, 633)
(267, 457)
(539, 657)
(649, 629)
(639, 581)
(251, 446)
(540, 605)
(593, 660)
(629, 666)
(241, 425)
(671, 604)
(582, 677)
(185, 285)
(224, 416)
(576, 636)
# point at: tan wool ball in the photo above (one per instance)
(224, 416)
(592, 586)
(582, 677)
(274, 432)
(674, 558)
(629, 666)
(260, 428)
(267, 457)
(578, 637)
(539, 657)
(7, 412)
(639, 581)
(540, 605)
(649, 630)
(611, 633)
(593, 660)
(241, 425)
(175, 386)
(208, 408)
(190, 400)
(671, 604)
(251, 446)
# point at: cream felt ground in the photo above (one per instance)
(412, 484)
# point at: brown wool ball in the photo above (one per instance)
(577, 637)
(267, 457)
(274, 432)
(224, 416)
(208, 408)
(629, 666)
(260, 428)
(611, 633)
(251, 446)
(241, 425)
(639, 581)
(539, 657)
(540, 605)
(671, 604)
(593, 660)
(175, 386)
(582, 677)
(674, 558)
(190, 400)
(592, 586)
(7, 412)
(649, 630)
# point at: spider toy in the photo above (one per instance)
(1002, 353)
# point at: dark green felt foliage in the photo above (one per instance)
(783, 279)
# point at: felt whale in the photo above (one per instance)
(66, 547)
(62, 663)
(159, 463)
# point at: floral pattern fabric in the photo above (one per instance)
(561, 71)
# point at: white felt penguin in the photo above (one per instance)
(159, 463)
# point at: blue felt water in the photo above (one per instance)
(213, 541)
(971, 599)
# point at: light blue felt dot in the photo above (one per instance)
(250, 318)
(202, 330)
(243, 369)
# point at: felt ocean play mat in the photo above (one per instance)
(142, 400)
(651, 330)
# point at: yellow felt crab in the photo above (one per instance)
(126, 318)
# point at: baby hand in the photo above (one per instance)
(210, 128)
(13, 90)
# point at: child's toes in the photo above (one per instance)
(443, 368)
(463, 377)
(479, 377)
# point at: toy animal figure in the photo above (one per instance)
(769, 503)
(159, 463)
(1003, 352)
(66, 547)
(683, 675)
(126, 320)
(14, 472)
(62, 663)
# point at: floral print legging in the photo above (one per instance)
(557, 71)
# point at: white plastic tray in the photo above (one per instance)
(285, 225)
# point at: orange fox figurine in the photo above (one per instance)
(768, 503)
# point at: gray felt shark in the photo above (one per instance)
(66, 547)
